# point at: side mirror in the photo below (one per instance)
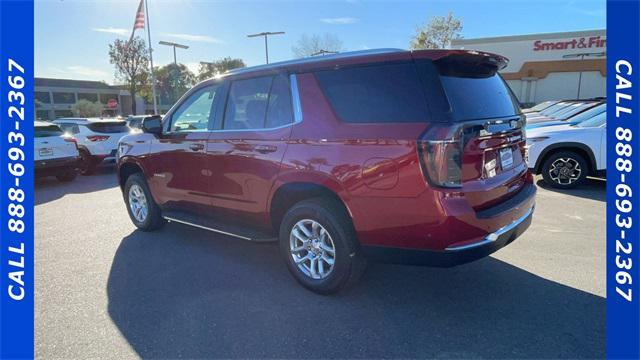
(152, 125)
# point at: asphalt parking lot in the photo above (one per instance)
(105, 290)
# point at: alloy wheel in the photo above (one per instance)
(312, 249)
(138, 203)
(565, 171)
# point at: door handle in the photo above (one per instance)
(196, 147)
(264, 149)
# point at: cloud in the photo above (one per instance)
(193, 66)
(87, 71)
(339, 20)
(194, 38)
(79, 72)
(111, 30)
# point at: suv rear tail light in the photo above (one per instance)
(95, 138)
(441, 162)
(71, 139)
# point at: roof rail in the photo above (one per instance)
(313, 59)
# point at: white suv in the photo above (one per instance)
(54, 154)
(566, 154)
(97, 139)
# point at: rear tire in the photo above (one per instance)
(565, 170)
(88, 163)
(332, 239)
(143, 210)
(67, 175)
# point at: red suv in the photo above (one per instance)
(407, 157)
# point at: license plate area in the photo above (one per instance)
(506, 158)
(45, 152)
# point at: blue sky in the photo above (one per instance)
(72, 36)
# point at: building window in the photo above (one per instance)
(88, 97)
(42, 115)
(104, 98)
(63, 113)
(64, 98)
(43, 97)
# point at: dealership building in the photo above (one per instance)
(54, 98)
(551, 66)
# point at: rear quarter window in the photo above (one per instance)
(385, 93)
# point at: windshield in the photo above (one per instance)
(595, 121)
(553, 108)
(588, 114)
(570, 111)
(543, 105)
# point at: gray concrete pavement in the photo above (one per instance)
(105, 290)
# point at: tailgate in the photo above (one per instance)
(493, 166)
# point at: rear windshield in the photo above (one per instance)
(47, 131)
(109, 127)
(385, 93)
(474, 95)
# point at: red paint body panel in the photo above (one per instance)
(373, 168)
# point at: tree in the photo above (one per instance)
(309, 45)
(131, 59)
(438, 33)
(172, 81)
(86, 108)
(209, 70)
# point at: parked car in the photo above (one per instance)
(97, 139)
(574, 108)
(566, 154)
(572, 120)
(54, 153)
(541, 106)
(407, 157)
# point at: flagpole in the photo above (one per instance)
(153, 78)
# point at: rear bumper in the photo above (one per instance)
(54, 166)
(455, 254)
(64, 162)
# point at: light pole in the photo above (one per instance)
(266, 45)
(174, 45)
(582, 56)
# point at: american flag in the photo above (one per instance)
(139, 23)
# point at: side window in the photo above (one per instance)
(247, 104)
(193, 114)
(384, 93)
(280, 111)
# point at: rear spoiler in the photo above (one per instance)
(468, 57)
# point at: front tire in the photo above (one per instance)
(143, 211)
(565, 170)
(319, 247)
